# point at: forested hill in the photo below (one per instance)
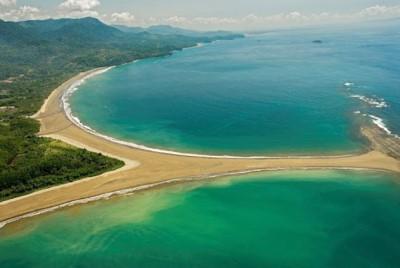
(169, 30)
(51, 49)
(36, 57)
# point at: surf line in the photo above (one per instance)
(77, 122)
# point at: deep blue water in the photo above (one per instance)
(273, 93)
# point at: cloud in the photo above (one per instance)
(79, 5)
(176, 19)
(123, 18)
(253, 21)
(213, 20)
(79, 9)
(8, 3)
(294, 18)
(22, 13)
(80, 14)
(380, 11)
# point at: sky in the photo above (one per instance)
(206, 14)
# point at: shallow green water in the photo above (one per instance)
(281, 219)
(277, 93)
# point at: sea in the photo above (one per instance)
(297, 92)
(304, 91)
(307, 219)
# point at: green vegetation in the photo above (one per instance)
(28, 162)
(35, 58)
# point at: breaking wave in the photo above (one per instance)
(375, 102)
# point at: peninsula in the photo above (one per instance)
(146, 169)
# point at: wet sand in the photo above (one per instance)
(146, 169)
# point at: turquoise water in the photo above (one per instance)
(282, 219)
(275, 93)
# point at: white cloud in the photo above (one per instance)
(85, 8)
(22, 13)
(8, 3)
(176, 19)
(123, 18)
(80, 14)
(380, 11)
(79, 5)
(213, 20)
(295, 18)
(79, 9)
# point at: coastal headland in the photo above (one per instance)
(146, 169)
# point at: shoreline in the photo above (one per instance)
(146, 169)
(75, 120)
(129, 191)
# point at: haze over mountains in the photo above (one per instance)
(170, 30)
(91, 29)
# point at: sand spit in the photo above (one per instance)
(147, 169)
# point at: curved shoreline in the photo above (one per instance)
(145, 169)
(379, 122)
(75, 120)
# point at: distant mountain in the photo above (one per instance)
(30, 47)
(170, 30)
(166, 29)
(49, 25)
(57, 32)
(87, 29)
(13, 33)
(92, 32)
(128, 29)
(76, 30)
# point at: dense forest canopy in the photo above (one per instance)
(36, 57)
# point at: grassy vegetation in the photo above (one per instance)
(35, 58)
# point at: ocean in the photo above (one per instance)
(277, 219)
(276, 93)
(297, 92)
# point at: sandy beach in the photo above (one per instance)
(145, 169)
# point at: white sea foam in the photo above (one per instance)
(348, 84)
(375, 102)
(379, 122)
(198, 45)
(76, 121)
(74, 87)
